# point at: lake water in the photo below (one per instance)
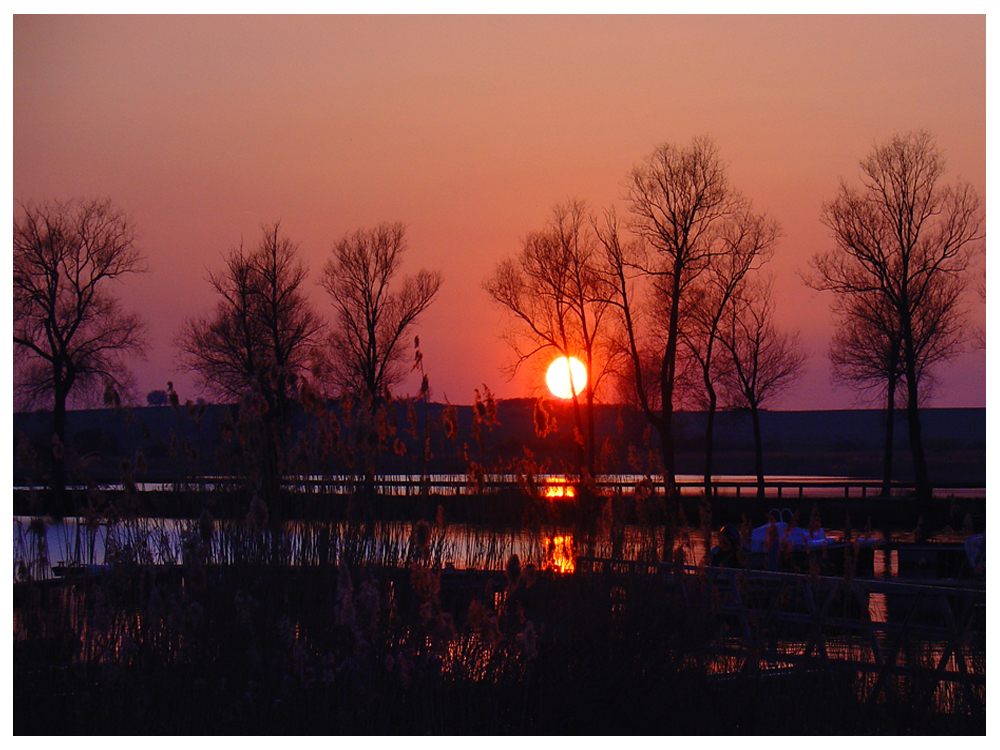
(40, 544)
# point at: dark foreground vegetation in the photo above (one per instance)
(331, 650)
(341, 627)
(287, 655)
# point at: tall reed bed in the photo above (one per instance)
(413, 649)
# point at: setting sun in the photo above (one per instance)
(558, 377)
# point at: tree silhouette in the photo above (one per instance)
(747, 241)
(909, 240)
(865, 352)
(557, 296)
(71, 335)
(761, 363)
(686, 215)
(372, 322)
(374, 314)
(255, 348)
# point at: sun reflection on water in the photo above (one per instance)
(559, 554)
(557, 487)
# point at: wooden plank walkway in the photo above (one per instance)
(776, 623)
(408, 485)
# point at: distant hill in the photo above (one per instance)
(190, 440)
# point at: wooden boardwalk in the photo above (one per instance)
(409, 485)
(771, 623)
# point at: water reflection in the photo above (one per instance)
(40, 544)
(559, 555)
(559, 488)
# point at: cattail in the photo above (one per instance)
(449, 421)
(206, 526)
(544, 422)
(491, 407)
(814, 522)
(513, 569)
(422, 537)
(527, 641)
(609, 455)
(257, 515)
(634, 459)
(530, 574)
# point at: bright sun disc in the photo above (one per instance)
(558, 377)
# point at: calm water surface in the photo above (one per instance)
(161, 541)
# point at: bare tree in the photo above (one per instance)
(865, 354)
(867, 348)
(979, 335)
(71, 335)
(762, 361)
(371, 333)
(256, 347)
(557, 297)
(683, 210)
(747, 241)
(641, 312)
(900, 236)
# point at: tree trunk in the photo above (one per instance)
(60, 497)
(591, 433)
(890, 414)
(921, 478)
(666, 430)
(667, 373)
(758, 450)
(709, 438)
(579, 438)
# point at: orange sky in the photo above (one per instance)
(468, 130)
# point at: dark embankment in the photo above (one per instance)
(165, 444)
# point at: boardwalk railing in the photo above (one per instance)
(407, 485)
(882, 630)
(731, 486)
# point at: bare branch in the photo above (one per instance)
(373, 322)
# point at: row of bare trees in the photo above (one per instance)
(673, 301)
(666, 304)
(670, 301)
(262, 346)
(70, 331)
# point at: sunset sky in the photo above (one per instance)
(469, 130)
